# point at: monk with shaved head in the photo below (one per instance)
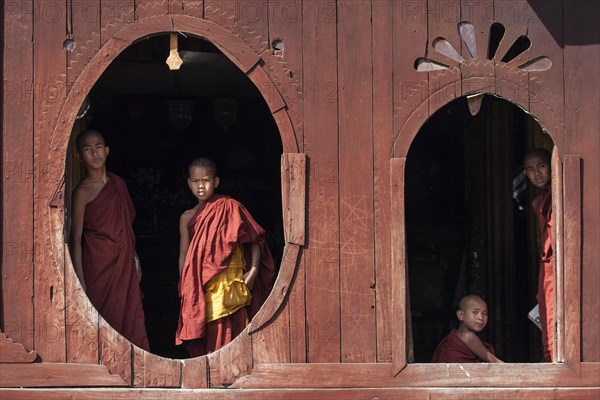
(103, 242)
(463, 345)
(537, 168)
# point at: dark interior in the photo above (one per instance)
(470, 226)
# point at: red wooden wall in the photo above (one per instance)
(347, 100)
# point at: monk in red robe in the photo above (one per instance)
(537, 168)
(103, 242)
(225, 265)
(463, 344)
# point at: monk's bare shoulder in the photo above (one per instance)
(84, 193)
(187, 215)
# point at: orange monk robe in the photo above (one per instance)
(545, 295)
(453, 350)
(108, 249)
(216, 229)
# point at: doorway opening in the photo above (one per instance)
(470, 227)
(156, 121)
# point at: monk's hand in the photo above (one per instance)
(138, 267)
(250, 277)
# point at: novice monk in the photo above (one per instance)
(462, 345)
(103, 242)
(225, 265)
(537, 168)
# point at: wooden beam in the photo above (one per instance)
(572, 261)
(280, 289)
(305, 394)
(419, 375)
(399, 265)
(293, 188)
(13, 352)
(57, 374)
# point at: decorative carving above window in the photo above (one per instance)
(467, 33)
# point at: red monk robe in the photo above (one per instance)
(108, 250)
(545, 295)
(453, 350)
(216, 229)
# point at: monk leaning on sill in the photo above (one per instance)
(463, 345)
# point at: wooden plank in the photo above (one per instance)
(194, 373)
(307, 394)
(85, 30)
(297, 312)
(289, 140)
(321, 146)
(17, 174)
(57, 374)
(193, 8)
(115, 352)
(399, 265)
(114, 15)
(270, 327)
(546, 88)
(271, 343)
(410, 87)
(13, 352)
(147, 26)
(582, 80)
(474, 375)
(231, 362)
(572, 249)
(443, 18)
(293, 187)
(150, 8)
(357, 254)
(246, 19)
(510, 14)
(273, 303)
(285, 66)
(150, 370)
(558, 248)
(383, 130)
(480, 14)
(49, 95)
(268, 89)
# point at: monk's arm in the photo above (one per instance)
(476, 346)
(252, 273)
(184, 239)
(77, 215)
(138, 265)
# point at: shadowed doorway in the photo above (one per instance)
(155, 122)
(470, 227)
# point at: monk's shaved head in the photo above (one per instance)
(84, 135)
(203, 162)
(464, 302)
(539, 152)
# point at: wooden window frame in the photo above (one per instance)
(566, 178)
(120, 357)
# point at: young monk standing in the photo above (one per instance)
(463, 345)
(537, 168)
(103, 242)
(225, 265)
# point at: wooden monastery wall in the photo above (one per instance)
(347, 101)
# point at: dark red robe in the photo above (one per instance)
(545, 294)
(453, 350)
(218, 226)
(108, 249)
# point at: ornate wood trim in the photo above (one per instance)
(57, 375)
(13, 352)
